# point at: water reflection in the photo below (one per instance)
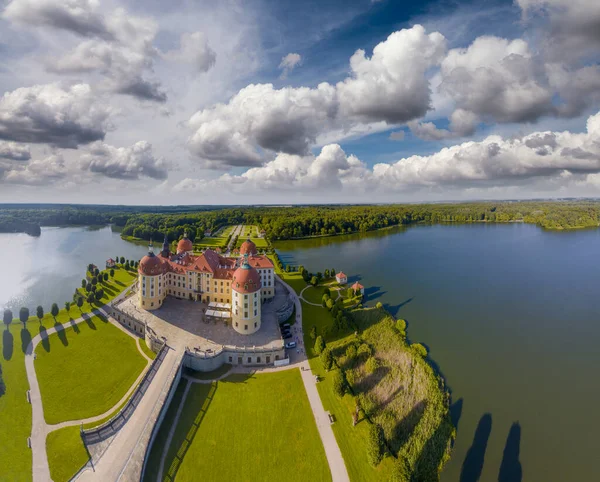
(47, 269)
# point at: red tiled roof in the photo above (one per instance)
(341, 274)
(357, 286)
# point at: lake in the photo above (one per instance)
(47, 269)
(510, 314)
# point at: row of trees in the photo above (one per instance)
(152, 222)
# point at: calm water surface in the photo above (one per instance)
(511, 315)
(47, 269)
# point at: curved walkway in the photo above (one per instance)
(39, 428)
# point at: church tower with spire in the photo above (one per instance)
(166, 252)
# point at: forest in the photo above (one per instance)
(279, 223)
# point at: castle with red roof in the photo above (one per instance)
(242, 282)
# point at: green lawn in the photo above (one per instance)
(144, 346)
(15, 411)
(260, 426)
(66, 453)
(85, 370)
(261, 243)
(210, 243)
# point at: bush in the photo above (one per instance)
(419, 349)
(351, 354)
(350, 378)
(401, 325)
(375, 445)
(314, 281)
(338, 383)
(327, 291)
(327, 359)
(401, 471)
(329, 304)
(319, 345)
(372, 365)
(364, 349)
(379, 305)
(313, 332)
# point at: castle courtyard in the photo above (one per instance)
(183, 324)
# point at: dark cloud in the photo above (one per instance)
(143, 89)
(14, 151)
(76, 16)
(51, 114)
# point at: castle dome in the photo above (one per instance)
(150, 265)
(184, 245)
(249, 248)
(246, 278)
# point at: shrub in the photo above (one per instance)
(350, 378)
(379, 305)
(54, 310)
(338, 383)
(419, 349)
(351, 354)
(112, 274)
(319, 345)
(364, 349)
(401, 325)
(314, 281)
(40, 312)
(401, 471)
(329, 303)
(313, 332)
(375, 445)
(372, 365)
(327, 358)
(327, 291)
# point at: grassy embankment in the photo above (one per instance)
(402, 394)
(260, 426)
(144, 347)
(15, 411)
(66, 453)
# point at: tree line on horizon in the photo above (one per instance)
(292, 222)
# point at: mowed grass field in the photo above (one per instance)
(247, 427)
(85, 369)
(15, 411)
(66, 453)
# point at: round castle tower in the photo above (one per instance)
(151, 289)
(245, 299)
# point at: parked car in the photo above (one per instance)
(291, 344)
(286, 326)
(286, 335)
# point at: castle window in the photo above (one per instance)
(254, 312)
(257, 359)
(268, 359)
(249, 359)
(245, 314)
(245, 327)
(236, 323)
(230, 359)
(255, 324)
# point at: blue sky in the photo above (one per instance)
(277, 101)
